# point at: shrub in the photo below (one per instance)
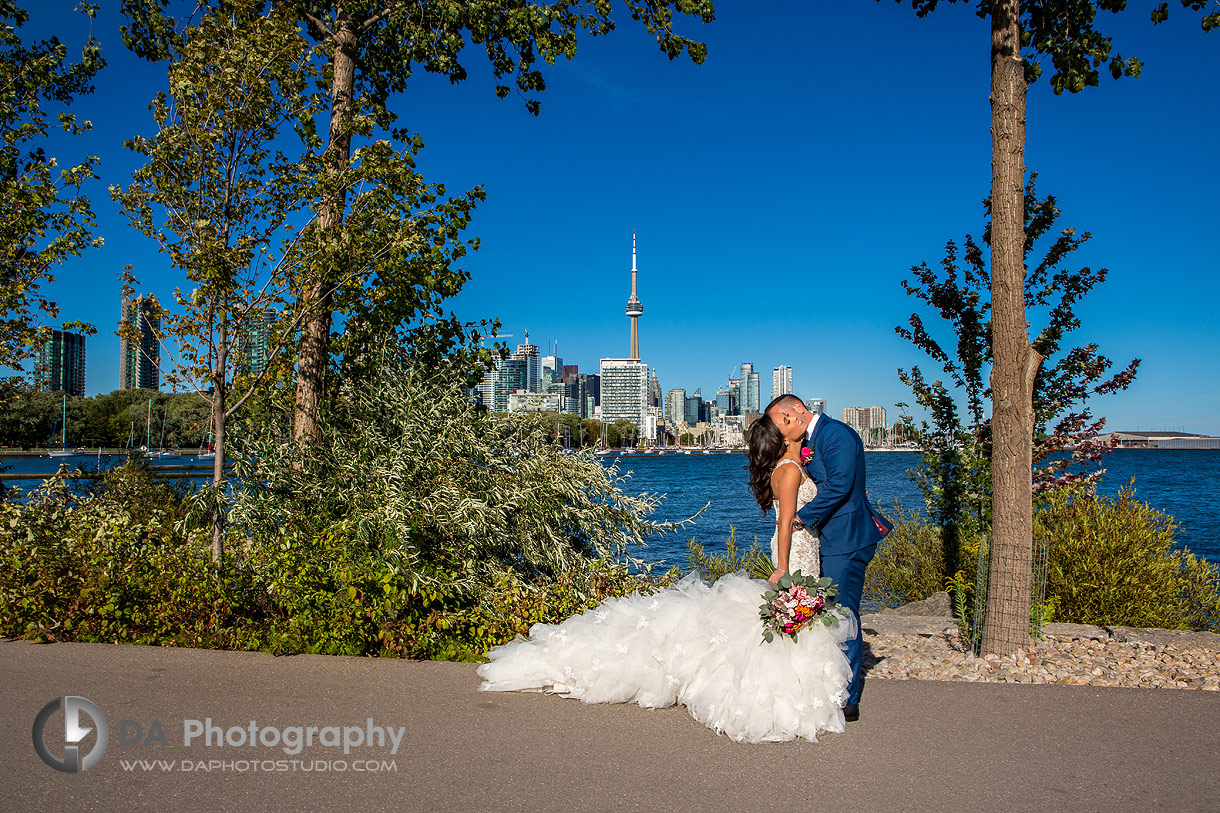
(710, 567)
(1113, 561)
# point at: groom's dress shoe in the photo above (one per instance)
(851, 713)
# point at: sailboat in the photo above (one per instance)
(160, 451)
(62, 451)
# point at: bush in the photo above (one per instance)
(1111, 561)
(710, 567)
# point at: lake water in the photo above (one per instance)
(1182, 483)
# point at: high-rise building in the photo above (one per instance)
(876, 418)
(254, 340)
(722, 399)
(675, 405)
(693, 402)
(816, 406)
(856, 418)
(624, 393)
(552, 370)
(59, 364)
(533, 364)
(511, 377)
(138, 360)
(734, 396)
(781, 381)
(654, 392)
(749, 389)
(635, 308)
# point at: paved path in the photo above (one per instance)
(920, 745)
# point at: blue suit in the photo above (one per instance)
(847, 524)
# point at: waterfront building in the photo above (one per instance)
(533, 364)
(734, 396)
(816, 406)
(675, 405)
(635, 308)
(690, 413)
(513, 376)
(722, 399)
(253, 346)
(59, 363)
(856, 418)
(781, 381)
(654, 392)
(876, 422)
(139, 359)
(730, 430)
(869, 422)
(552, 370)
(593, 382)
(624, 393)
(749, 389)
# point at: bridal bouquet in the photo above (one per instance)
(795, 602)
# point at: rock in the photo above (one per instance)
(1087, 631)
(937, 604)
(879, 624)
(1182, 639)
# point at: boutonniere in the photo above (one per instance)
(806, 455)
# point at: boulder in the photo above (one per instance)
(937, 604)
(1183, 639)
(1082, 631)
(892, 624)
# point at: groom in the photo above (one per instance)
(848, 526)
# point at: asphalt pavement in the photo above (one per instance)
(920, 745)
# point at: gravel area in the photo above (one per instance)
(930, 648)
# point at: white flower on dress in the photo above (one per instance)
(838, 697)
(671, 681)
(818, 702)
(621, 649)
(597, 665)
(654, 604)
(601, 616)
(643, 622)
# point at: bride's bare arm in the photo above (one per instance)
(785, 481)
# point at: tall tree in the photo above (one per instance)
(44, 220)
(372, 48)
(1063, 30)
(229, 202)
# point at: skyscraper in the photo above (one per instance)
(722, 400)
(552, 370)
(781, 381)
(59, 364)
(734, 396)
(254, 340)
(511, 377)
(693, 402)
(138, 360)
(816, 406)
(749, 389)
(533, 365)
(634, 308)
(856, 418)
(654, 391)
(675, 405)
(624, 392)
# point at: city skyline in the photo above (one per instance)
(833, 191)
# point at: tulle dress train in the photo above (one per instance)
(696, 644)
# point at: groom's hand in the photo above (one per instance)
(797, 525)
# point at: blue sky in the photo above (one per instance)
(780, 192)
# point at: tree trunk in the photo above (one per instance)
(218, 425)
(315, 331)
(1006, 623)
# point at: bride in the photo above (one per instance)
(701, 645)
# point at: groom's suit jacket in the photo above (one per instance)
(841, 512)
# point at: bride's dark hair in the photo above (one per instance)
(765, 446)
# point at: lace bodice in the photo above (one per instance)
(805, 553)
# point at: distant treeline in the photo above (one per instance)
(33, 420)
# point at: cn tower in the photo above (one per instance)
(634, 307)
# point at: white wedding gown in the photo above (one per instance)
(697, 645)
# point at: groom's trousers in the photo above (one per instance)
(847, 571)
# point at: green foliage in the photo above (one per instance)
(711, 566)
(1113, 561)
(44, 220)
(178, 420)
